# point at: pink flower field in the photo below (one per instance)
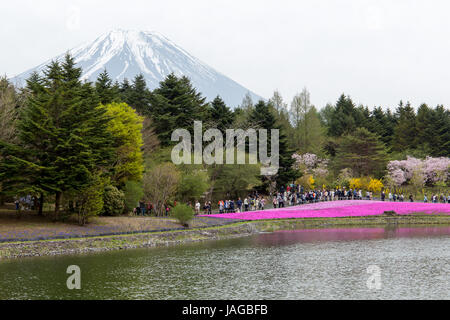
(335, 209)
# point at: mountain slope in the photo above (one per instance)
(124, 54)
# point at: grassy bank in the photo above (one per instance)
(140, 240)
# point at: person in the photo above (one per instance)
(425, 198)
(231, 202)
(411, 199)
(434, 198)
(17, 203)
(390, 196)
(239, 205)
(221, 204)
(149, 208)
(197, 208)
(246, 204)
(209, 207)
(167, 210)
(383, 196)
(275, 202)
(262, 202)
(142, 207)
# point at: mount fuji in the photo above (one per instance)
(127, 53)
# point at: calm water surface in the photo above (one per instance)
(300, 264)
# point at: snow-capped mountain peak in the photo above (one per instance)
(126, 53)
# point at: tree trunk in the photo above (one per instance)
(41, 205)
(57, 204)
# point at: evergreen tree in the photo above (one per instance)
(176, 104)
(139, 96)
(424, 126)
(221, 114)
(106, 91)
(363, 152)
(405, 130)
(125, 91)
(62, 133)
(380, 124)
(440, 132)
(342, 120)
(264, 117)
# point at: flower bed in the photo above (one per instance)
(336, 209)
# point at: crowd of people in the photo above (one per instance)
(297, 195)
(286, 196)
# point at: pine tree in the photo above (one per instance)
(106, 91)
(343, 118)
(125, 91)
(424, 124)
(381, 125)
(176, 104)
(363, 152)
(440, 132)
(222, 116)
(62, 133)
(264, 118)
(139, 96)
(405, 131)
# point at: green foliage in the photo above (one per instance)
(405, 131)
(234, 179)
(308, 131)
(193, 185)
(89, 200)
(113, 201)
(183, 213)
(106, 91)
(342, 120)
(265, 117)
(63, 137)
(175, 105)
(221, 115)
(133, 193)
(139, 96)
(362, 152)
(126, 128)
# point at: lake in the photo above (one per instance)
(408, 263)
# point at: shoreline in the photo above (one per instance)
(55, 247)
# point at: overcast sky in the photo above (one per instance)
(378, 52)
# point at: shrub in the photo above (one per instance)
(113, 201)
(375, 185)
(133, 194)
(90, 200)
(183, 213)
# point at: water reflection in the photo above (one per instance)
(301, 264)
(288, 237)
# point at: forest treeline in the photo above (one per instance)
(101, 147)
